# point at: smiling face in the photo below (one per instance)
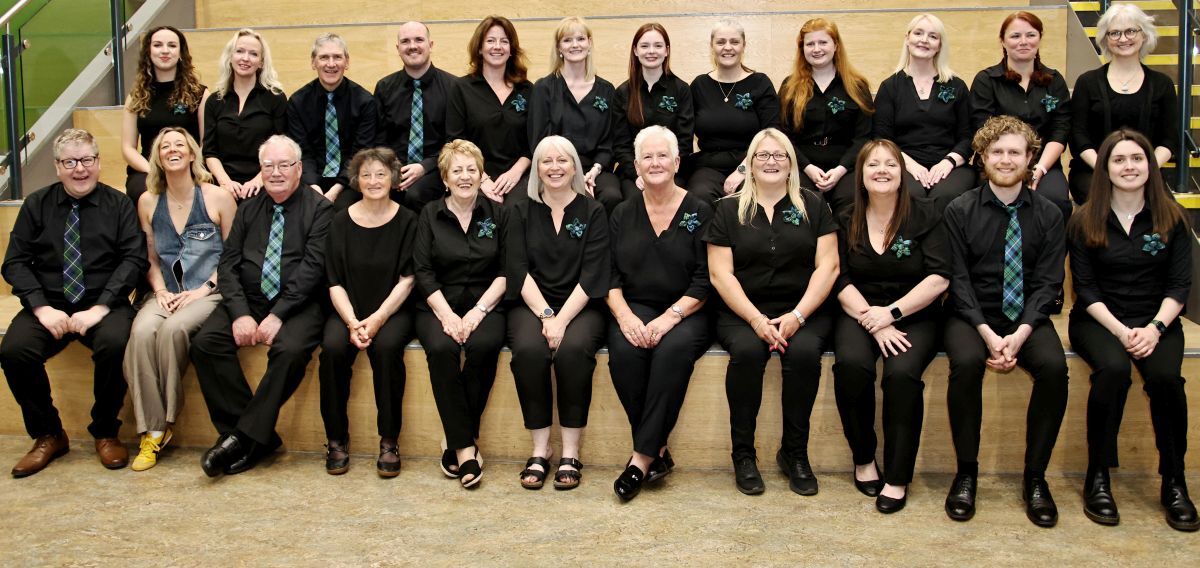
(1128, 167)
(281, 169)
(496, 48)
(374, 180)
(1006, 161)
(164, 50)
(1129, 43)
(1021, 41)
(575, 45)
(819, 49)
(651, 50)
(414, 45)
(773, 170)
(556, 169)
(247, 57)
(881, 172)
(728, 46)
(462, 178)
(174, 154)
(655, 164)
(79, 180)
(330, 63)
(923, 41)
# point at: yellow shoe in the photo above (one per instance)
(150, 447)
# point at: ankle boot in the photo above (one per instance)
(1181, 513)
(1098, 502)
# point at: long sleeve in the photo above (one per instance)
(229, 269)
(962, 293)
(962, 109)
(1047, 278)
(19, 259)
(210, 145)
(983, 99)
(885, 111)
(131, 247)
(1060, 117)
(538, 123)
(862, 133)
(1179, 273)
(311, 173)
(306, 280)
(1083, 275)
(1081, 109)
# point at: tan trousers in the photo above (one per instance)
(156, 359)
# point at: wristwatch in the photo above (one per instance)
(212, 286)
(481, 307)
(546, 313)
(799, 317)
(677, 311)
(896, 314)
(741, 169)
(1160, 326)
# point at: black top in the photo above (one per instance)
(1045, 109)
(773, 261)
(927, 130)
(1097, 110)
(834, 130)
(656, 270)
(462, 265)
(557, 261)
(588, 124)
(1133, 274)
(356, 115)
(498, 128)
(234, 138)
(724, 128)
(394, 95)
(302, 268)
(368, 262)
(112, 245)
(163, 114)
(668, 104)
(975, 225)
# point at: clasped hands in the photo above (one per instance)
(1140, 341)
(1002, 351)
(878, 321)
(460, 328)
(58, 323)
(776, 331)
(646, 335)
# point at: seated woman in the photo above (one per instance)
(368, 261)
(773, 258)
(894, 269)
(558, 265)
(659, 285)
(459, 264)
(1131, 265)
(186, 218)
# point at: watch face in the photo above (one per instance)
(548, 313)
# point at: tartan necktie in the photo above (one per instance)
(73, 286)
(1013, 302)
(416, 127)
(273, 256)
(333, 151)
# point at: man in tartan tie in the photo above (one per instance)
(1007, 250)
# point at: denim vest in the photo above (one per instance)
(191, 256)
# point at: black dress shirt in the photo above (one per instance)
(368, 261)
(773, 261)
(588, 123)
(668, 104)
(302, 268)
(1097, 110)
(111, 242)
(394, 95)
(356, 115)
(657, 270)
(462, 265)
(975, 226)
(234, 138)
(498, 128)
(1045, 109)
(927, 130)
(163, 114)
(558, 260)
(724, 128)
(1133, 274)
(834, 130)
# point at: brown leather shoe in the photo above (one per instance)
(45, 449)
(112, 452)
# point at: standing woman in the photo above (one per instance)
(573, 102)
(489, 106)
(368, 262)
(659, 286)
(1122, 93)
(1131, 265)
(186, 218)
(926, 110)
(825, 108)
(733, 103)
(166, 92)
(662, 100)
(894, 269)
(247, 108)
(773, 258)
(558, 265)
(459, 263)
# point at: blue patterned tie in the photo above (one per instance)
(273, 256)
(1014, 272)
(73, 286)
(416, 127)
(333, 151)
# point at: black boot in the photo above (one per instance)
(1181, 513)
(1098, 502)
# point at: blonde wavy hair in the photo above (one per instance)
(267, 77)
(570, 25)
(941, 61)
(156, 179)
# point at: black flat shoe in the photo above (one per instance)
(745, 473)
(384, 466)
(449, 461)
(1039, 504)
(1098, 502)
(660, 467)
(869, 488)
(337, 458)
(1181, 513)
(801, 479)
(228, 449)
(629, 484)
(888, 505)
(960, 502)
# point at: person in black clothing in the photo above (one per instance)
(74, 255)
(247, 108)
(1131, 264)
(573, 102)
(663, 100)
(894, 269)
(926, 110)
(772, 256)
(733, 103)
(1021, 86)
(271, 277)
(489, 106)
(332, 118)
(1123, 93)
(412, 115)
(659, 286)
(1006, 250)
(558, 265)
(826, 111)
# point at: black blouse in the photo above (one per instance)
(498, 128)
(163, 114)
(462, 265)
(1097, 110)
(773, 261)
(356, 112)
(234, 138)
(587, 123)
(1045, 109)
(656, 270)
(834, 130)
(368, 262)
(724, 128)
(927, 130)
(394, 95)
(668, 104)
(557, 261)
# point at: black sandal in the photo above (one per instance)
(473, 468)
(538, 476)
(450, 460)
(568, 478)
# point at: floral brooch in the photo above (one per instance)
(600, 104)
(668, 104)
(902, 247)
(487, 228)
(743, 101)
(1153, 244)
(792, 215)
(1049, 103)
(179, 108)
(691, 222)
(518, 103)
(946, 94)
(836, 105)
(575, 228)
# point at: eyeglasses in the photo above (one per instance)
(71, 163)
(281, 167)
(764, 156)
(1129, 33)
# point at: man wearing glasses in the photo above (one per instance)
(74, 255)
(271, 277)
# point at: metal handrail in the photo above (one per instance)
(1185, 147)
(13, 12)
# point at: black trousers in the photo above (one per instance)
(28, 345)
(652, 383)
(386, 354)
(231, 404)
(135, 186)
(707, 184)
(461, 375)
(607, 191)
(429, 188)
(855, 353)
(520, 192)
(960, 180)
(801, 370)
(1042, 355)
(573, 364)
(1111, 367)
(840, 197)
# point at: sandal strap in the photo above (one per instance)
(571, 462)
(538, 460)
(470, 467)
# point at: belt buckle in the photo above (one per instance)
(822, 142)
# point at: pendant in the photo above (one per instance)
(726, 99)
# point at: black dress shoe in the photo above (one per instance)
(960, 502)
(337, 458)
(228, 449)
(800, 474)
(1098, 502)
(255, 453)
(745, 472)
(888, 505)
(1039, 505)
(1181, 513)
(660, 467)
(869, 488)
(629, 484)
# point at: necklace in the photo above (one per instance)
(1126, 82)
(1128, 216)
(179, 205)
(731, 88)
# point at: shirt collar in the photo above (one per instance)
(986, 195)
(443, 208)
(406, 79)
(64, 198)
